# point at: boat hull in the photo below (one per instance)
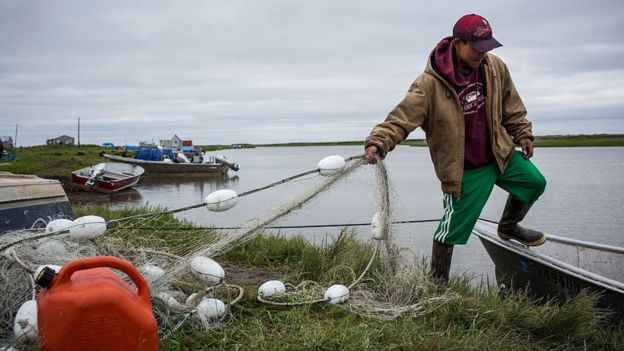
(116, 177)
(543, 276)
(163, 169)
(30, 202)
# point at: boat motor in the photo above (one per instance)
(225, 161)
(95, 172)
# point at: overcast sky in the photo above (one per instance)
(221, 72)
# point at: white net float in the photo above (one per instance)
(26, 320)
(151, 272)
(221, 200)
(331, 165)
(193, 300)
(377, 227)
(87, 227)
(207, 270)
(58, 225)
(271, 287)
(210, 309)
(170, 301)
(337, 294)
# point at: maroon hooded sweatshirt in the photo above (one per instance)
(469, 88)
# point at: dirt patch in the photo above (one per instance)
(250, 277)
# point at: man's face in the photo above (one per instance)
(467, 56)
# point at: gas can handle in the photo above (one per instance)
(71, 267)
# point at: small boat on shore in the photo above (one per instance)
(560, 268)
(27, 201)
(162, 165)
(107, 177)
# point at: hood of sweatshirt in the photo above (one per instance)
(444, 59)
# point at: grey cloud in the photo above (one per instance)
(222, 72)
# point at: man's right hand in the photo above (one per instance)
(371, 154)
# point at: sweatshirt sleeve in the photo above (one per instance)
(408, 115)
(514, 113)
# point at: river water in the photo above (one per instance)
(583, 199)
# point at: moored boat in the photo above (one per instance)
(107, 177)
(27, 201)
(560, 268)
(167, 167)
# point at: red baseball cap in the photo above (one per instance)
(477, 31)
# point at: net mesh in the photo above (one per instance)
(162, 247)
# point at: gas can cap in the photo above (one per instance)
(44, 279)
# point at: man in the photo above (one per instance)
(471, 113)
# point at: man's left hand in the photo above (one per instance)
(527, 147)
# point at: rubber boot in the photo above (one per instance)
(441, 256)
(508, 227)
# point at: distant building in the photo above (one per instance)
(175, 143)
(108, 144)
(241, 146)
(7, 142)
(62, 140)
(147, 144)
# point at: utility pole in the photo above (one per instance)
(78, 131)
(15, 140)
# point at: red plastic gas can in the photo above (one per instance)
(89, 307)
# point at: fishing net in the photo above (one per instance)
(163, 247)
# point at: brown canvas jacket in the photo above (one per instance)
(432, 104)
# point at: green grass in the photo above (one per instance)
(580, 140)
(540, 141)
(559, 140)
(54, 159)
(478, 318)
(59, 160)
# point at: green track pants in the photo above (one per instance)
(522, 180)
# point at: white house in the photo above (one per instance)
(174, 143)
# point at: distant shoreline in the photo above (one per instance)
(581, 140)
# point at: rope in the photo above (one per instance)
(301, 303)
(303, 226)
(370, 263)
(249, 192)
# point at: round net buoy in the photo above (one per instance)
(271, 287)
(221, 200)
(151, 272)
(337, 294)
(87, 227)
(26, 320)
(207, 270)
(210, 309)
(58, 225)
(331, 165)
(376, 226)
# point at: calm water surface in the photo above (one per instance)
(583, 199)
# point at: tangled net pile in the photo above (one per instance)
(163, 248)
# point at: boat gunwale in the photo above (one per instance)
(138, 161)
(558, 265)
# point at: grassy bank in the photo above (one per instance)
(560, 140)
(479, 318)
(540, 141)
(56, 160)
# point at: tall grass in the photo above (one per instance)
(478, 318)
